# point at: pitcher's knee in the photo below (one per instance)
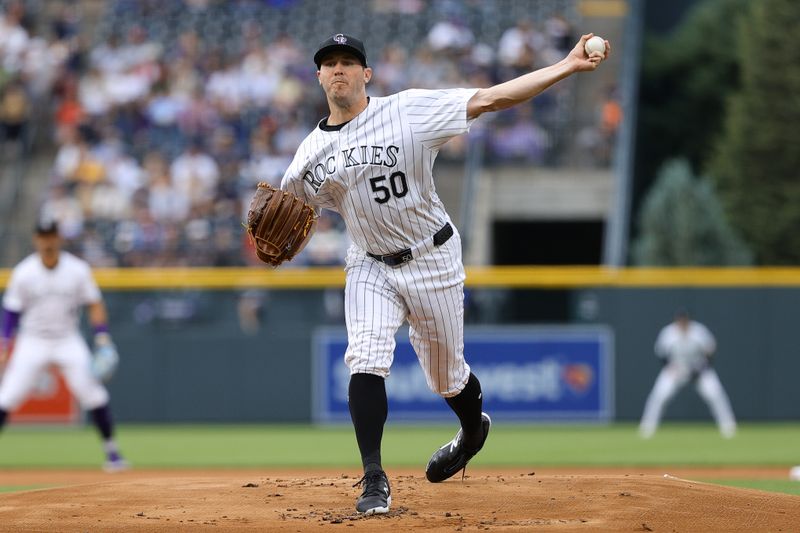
(448, 388)
(93, 398)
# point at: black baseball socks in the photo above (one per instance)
(468, 405)
(101, 416)
(368, 410)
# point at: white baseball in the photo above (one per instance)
(595, 44)
(794, 473)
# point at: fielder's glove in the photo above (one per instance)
(279, 224)
(105, 357)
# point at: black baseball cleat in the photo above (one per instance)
(453, 456)
(376, 496)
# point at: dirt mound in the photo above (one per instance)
(484, 501)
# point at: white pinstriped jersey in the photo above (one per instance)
(686, 349)
(376, 171)
(50, 299)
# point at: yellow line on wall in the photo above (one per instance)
(573, 277)
(219, 278)
(511, 277)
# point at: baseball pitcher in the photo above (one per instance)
(371, 160)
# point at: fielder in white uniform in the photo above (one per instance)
(371, 160)
(686, 347)
(44, 298)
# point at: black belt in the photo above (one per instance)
(404, 256)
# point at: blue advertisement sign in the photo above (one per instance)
(562, 373)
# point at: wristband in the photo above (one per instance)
(101, 335)
(10, 322)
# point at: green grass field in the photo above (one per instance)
(527, 446)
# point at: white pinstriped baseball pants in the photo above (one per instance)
(708, 386)
(428, 292)
(32, 355)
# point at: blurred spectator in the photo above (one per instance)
(93, 94)
(519, 45)
(93, 248)
(108, 56)
(139, 240)
(14, 111)
(392, 66)
(106, 202)
(264, 163)
(521, 139)
(41, 63)
(285, 51)
(68, 154)
(65, 22)
(62, 206)
(195, 174)
(197, 119)
(597, 141)
(225, 89)
(450, 35)
(125, 174)
(329, 245)
(88, 169)
(162, 107)
(290, 135)
(166, 203)
(611, 113)
(13, 37)
(184, 79)
(589, 143)
(69, 111)
(559, 30)
(198, 232)
(223, 147)
(427, 70)
(260, 77)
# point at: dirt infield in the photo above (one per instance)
(486, 500)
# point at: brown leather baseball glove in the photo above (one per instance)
(279, 224)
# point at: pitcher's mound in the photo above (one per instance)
(512, 501)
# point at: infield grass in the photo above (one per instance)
(526, 446)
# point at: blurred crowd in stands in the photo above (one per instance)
(167, 114)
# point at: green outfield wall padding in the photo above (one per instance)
(246, 356)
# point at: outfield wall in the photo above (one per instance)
(236, 346)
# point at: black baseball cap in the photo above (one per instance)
(46, 227)
(343, 43)
(681, 313)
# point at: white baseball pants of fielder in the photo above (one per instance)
(30, 358)
(428, 292)
(707, 385)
